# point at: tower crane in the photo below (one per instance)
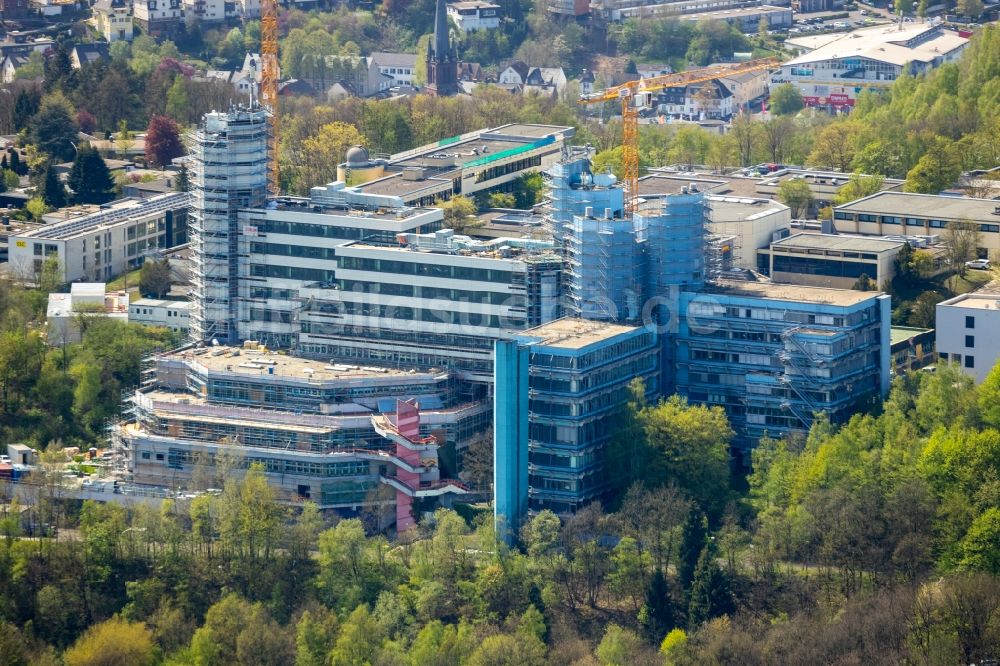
(269, 85)
(632, 96)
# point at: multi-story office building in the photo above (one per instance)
(833, 260)
(103, 244)
(898, 213)
(559, 391)
(966, 330)
(292, 244)
(834, 69)
(434, 300)
(484, 160)
(771, 355)
(329, 433)
(229, 172)
(605, 266)
(774, 355)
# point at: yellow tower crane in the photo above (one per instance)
(632, 99)
(269, 85)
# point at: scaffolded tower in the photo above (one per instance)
(230, 170)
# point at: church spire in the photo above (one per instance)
(442, 45)
(442, 62)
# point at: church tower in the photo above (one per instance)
(442, 65)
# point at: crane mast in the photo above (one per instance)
(269, 85)
(630, 93)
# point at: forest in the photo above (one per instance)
(874, 541)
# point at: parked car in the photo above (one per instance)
(978, 264)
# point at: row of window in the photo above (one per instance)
(908, 221)
(426, 269)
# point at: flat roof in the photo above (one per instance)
(839, 242)
(323, 207)
(741, 209)
(117, 212)
(792, 292)
(473, 4)
(255, 362)
(721, 14)
(899, 334)
(161, 303)
(973, 301)
(670, 182)
(393, 184)
(934, 206)
(573, 333)
(434, 254)
(883, 43)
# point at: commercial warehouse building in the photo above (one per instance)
(833, 69)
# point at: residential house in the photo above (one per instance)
(86, 54)
(518, 77)
(470, 71)
(400, 66)
(295, 87)
(205, 11)
(587, 81)
(13, 10)
(348, 75)
(471, 15)
(243, 79)
(158, 17)
(113, 20)
(9, 66)
(51, 8)
(720, 98)
(248, 9)
(651, 69)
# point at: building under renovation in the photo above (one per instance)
(228, 173)
(329, 433)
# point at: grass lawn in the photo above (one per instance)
(132, 279)
(972, 280)
(945, 285)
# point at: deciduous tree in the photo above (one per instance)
(796, 194)
(154, 277)
(113, 643)
(163, 141)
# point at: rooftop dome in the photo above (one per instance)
(357, 156)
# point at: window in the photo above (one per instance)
(970, 361)
(970, 321)
(970, 341)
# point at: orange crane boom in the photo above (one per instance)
(269, 85)
(629, 93)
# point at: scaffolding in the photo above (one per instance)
(229, 172)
